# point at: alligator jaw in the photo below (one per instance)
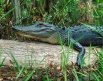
(51, 39)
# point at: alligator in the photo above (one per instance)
(78, 36)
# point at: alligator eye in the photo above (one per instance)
(40, 25)
(43, 25)
(63, 28)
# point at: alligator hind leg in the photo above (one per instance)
(77, 46)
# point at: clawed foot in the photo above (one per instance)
(79, 64)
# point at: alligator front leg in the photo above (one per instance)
(77, 46)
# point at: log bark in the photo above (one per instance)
(41, 54)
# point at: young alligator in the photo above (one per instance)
(77, 35)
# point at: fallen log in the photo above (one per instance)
(41, 54)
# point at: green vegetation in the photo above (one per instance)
(60, 12)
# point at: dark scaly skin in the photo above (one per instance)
(84, 36)
(79, 36)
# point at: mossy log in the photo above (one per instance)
(41, 54)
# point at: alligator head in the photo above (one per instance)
(39, 31)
